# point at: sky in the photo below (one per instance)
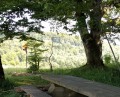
(49, 25)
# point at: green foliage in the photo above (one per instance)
(24, 79)
(107, 59)
(111, 62)
(9, 94)
(6, 85)
(57, 10)
(35, 54)
(12, 53)
(32, 68)
(73, 54)
(61, 10)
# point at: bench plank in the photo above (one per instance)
(33, 91)
(83, 86)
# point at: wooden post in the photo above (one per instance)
(50, 64)
(112, 52)
(26, 57)
(25, 48)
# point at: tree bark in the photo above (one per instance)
(93, 50)
(2, 76)
(50, 64)
(91, 39)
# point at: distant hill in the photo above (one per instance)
(68, 51)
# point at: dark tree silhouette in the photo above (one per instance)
(2, 76)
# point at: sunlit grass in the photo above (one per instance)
(104, 75)
(13, 81)
(9, 71)
(22, 79)
(107, 75)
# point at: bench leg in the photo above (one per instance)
(58, 91)
(70, 93)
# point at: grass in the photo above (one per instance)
(23, 79)
(6, 88)
(11, 93)
(106, 75)
(74, 56)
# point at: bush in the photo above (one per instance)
(107, 59)
(9, 94)
(32, 68)
(6, 85)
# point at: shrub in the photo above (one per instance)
(35, 54)
(6, 85)
(107, 59)
(32, 68)
(9, 94)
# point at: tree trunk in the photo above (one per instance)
(38, 64)
(50, 64)
(2, 76)
(93, 50)
(91, 38)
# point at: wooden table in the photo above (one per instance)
(83, 86)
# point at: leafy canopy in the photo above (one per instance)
(61, 10)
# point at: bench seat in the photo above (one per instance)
(32, 91)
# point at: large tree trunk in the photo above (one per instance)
(93, 50)
(2, 76)
(91, 38)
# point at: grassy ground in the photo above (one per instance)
(15, 75)
(14, 80)
(11, 93)
(108, 76)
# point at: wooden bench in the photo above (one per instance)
(83, 86)
(32, 91)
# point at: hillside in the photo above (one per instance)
(68, 51)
